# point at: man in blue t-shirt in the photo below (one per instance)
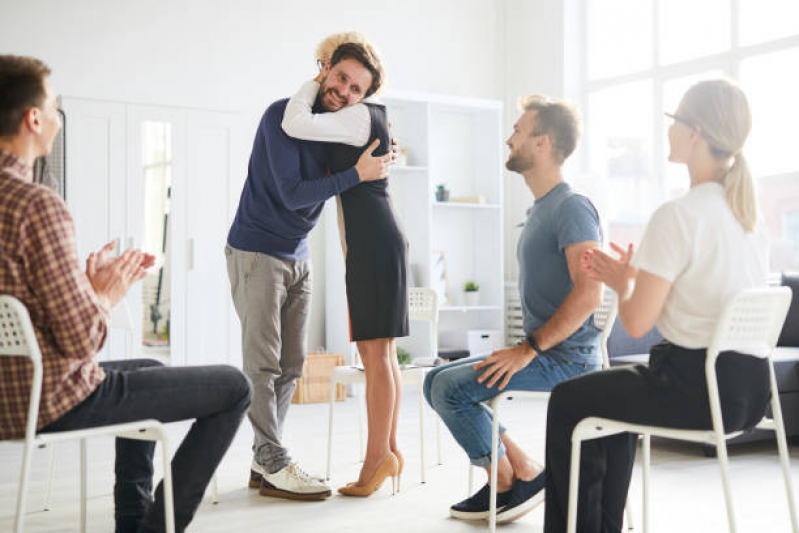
(268, 263)
(558, 301)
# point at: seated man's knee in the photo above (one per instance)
(237, 382)
(445, 386)
(427, 386)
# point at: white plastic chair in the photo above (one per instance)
(120, 318)
(604, 317)
(750, 323)
(422, 306)
(17, 339)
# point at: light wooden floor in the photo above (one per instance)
(686, 486)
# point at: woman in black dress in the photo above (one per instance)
(374, 245)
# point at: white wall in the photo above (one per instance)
(534, 64)
(240, 55)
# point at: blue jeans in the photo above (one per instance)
(215, 396)
(453, 391)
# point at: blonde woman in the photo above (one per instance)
(696, 253)
(374, 245)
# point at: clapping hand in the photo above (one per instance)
(110, 277)
(615, 273)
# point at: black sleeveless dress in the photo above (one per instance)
(377, 251)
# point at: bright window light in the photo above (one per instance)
(691, 29)
(630, 49)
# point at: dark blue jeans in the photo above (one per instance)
(453, 391)
(216, 396)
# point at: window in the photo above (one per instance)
(640, 56)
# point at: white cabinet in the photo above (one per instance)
(105, 193)
(456, 142)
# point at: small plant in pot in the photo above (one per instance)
(403, 356)
(471, 293)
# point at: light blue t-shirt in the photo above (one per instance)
(558, 219)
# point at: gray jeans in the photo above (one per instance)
(272, 298)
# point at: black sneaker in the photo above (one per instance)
(477, 506)
(524, 497)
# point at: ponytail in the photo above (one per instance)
(739, 187)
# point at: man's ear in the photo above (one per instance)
(32, 120)
(544, 142)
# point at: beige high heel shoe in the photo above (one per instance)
(401, 461)
(388, 468)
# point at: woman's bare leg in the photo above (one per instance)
(380, 397)
(395, 370)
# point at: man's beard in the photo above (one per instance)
(519, 163)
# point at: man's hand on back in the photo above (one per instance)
(372, 168)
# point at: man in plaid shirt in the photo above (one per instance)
(69, 309)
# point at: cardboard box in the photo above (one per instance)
(314, 385)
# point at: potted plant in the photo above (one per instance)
(403, 356)
(471, 293)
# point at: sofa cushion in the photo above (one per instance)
(790, 330)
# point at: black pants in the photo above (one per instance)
(216, 396)
(670, 392)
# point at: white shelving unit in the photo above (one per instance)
(456, 142)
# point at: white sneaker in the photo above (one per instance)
(292, 483)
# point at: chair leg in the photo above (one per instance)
(574, 481)
(630, 519)
(22, 494)
(724, 466)
(330, 428)
(492, 510)
(471, 480)
(84, 497)
(421, 431)
(647, 446)
(214, 489)
(169, 509)
(50, 468)
(438, 438)
(779, 428)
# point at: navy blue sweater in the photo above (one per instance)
(286, 188)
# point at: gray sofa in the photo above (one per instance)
(624, 350)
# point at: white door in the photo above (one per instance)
(95, 184)
(214, 162)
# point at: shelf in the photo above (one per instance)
(461, 205)
(466, 308)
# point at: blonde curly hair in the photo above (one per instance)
(358, 48)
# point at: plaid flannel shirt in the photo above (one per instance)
(39, 266)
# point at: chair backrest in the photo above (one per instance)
(751, 322)
(422, 304)
(604, 318)
(18, 339)
(423, 307)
